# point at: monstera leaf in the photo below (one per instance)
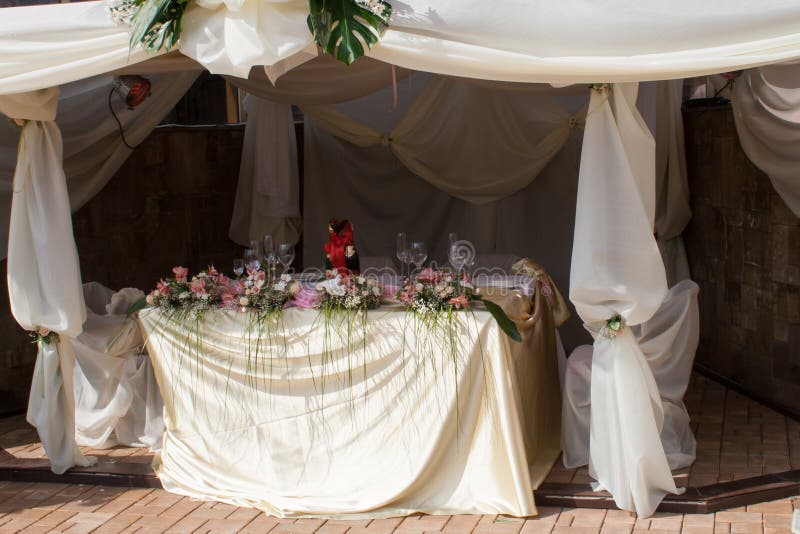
(343, 27)
(157, 24)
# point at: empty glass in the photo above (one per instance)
(452, 238)
(401, 250)
(255, 245)
(457, 257)
(286, 255)
(238, 266)
(418, 254)
(252, 259)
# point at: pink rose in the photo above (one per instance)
(180, 273)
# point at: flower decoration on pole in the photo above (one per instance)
(43, 335)
(614, 327)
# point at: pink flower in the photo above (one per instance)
(198, 286)
(222, 279)
(162, 287)
(459, 302)
(229, 299)
(212, 271)
(429, 275)
(180, 273)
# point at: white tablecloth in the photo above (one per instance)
(308, 427)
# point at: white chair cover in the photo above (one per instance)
(668, 341)
(117, 400)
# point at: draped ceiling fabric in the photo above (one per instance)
(766, 109)
(570, 41)
(617, 269)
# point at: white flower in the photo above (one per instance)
(449, 290)
(333, 287)
(286, 278)
(150, 299)
(205, 296)
(280, 286)
(376, 291)
(185, 295)
(244, 301)
(418, 287)
(360, 280)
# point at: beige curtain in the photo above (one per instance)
(468, 140)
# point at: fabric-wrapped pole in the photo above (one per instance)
(617, 271)
(44, 282)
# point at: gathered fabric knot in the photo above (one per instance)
(600, 87)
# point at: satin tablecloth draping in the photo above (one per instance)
(309, 428)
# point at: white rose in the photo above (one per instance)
(244, 301)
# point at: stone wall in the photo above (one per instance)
(744, 252)
(169, 204)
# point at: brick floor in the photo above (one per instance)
(736, 438)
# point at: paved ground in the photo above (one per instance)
(73, 509)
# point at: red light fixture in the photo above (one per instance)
(132, 89)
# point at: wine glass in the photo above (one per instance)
(402, 250)
(418, 254)
(286, 255)
(456, 257)
(255, 245)
(252, 259)
(452, 237)
(238, 266)
(269, 246)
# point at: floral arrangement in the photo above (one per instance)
(256, 293)
(211, 289)
(433, 291)
(43, 335)
(349, 292)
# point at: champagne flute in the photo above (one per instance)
(418, 254)
(238, 266)
(252, 259)
(286, 255)
(402, 250)
(255, 245)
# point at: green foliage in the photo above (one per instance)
(157, 24)
(136, 307)
(342, 27)
(505, 324)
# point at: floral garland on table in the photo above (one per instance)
(339, 27)
(432, 292)
(349, 292)
(211, 289)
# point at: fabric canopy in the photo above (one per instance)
(766, 105)
(564, 41)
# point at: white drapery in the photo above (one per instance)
(268, 191)
(577, 41)
(44, 282)
(617, 270)
(669, 341)
(766, 109)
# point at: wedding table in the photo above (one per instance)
(308, 414)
